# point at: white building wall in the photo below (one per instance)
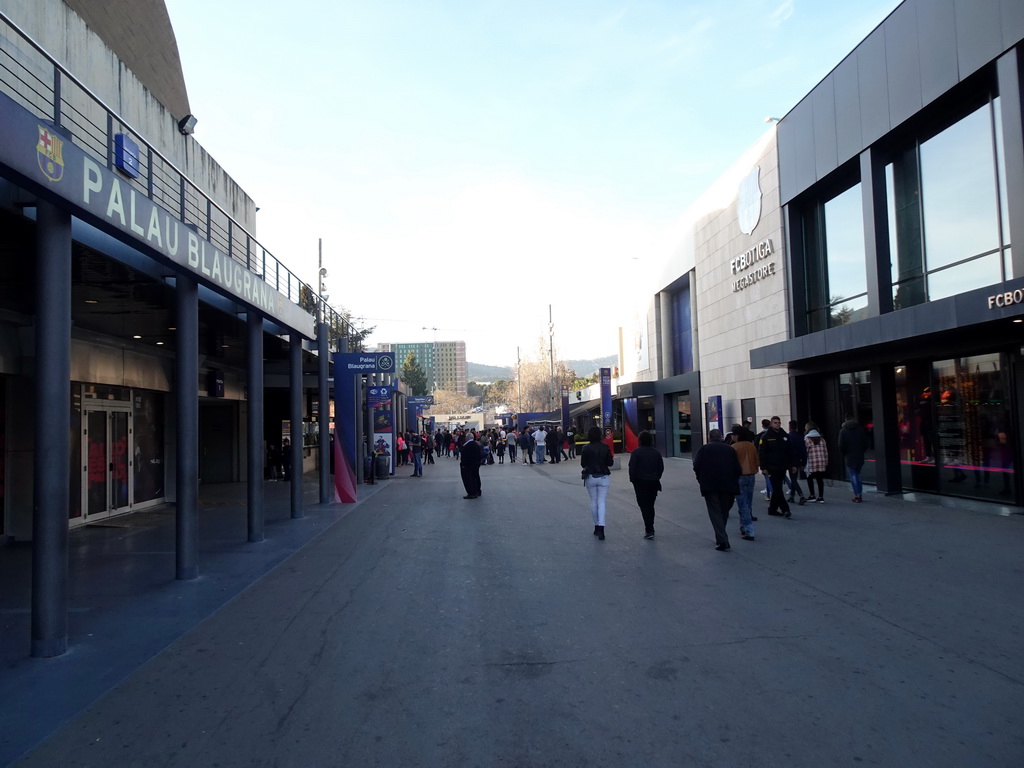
(732, 320)
(728, 323)
(61, 32)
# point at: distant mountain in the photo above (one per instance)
(583, 368)
(481, 372)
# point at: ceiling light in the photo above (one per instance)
(91, 301)
(136, 337)
(159, 343)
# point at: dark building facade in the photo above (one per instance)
(902, 186)
(148, 342)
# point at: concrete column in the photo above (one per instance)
(186, 385)
(53, 401)
(876, 235)
(324, 397)
(295, 415)
(254, 375)
(888, 471)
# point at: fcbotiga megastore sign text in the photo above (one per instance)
(750, 258)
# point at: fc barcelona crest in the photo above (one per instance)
(50, 153)
(748, 206)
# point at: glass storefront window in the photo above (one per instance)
(848, 311)
(955, 425)
(844, 245)
(976, 273)
(855, 401)
(149, 446)
(947, 211)
(835, 267)
(958, 192)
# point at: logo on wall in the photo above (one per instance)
(50, 153)
(748, 206)
(386, 362)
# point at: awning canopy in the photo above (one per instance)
(576, 410)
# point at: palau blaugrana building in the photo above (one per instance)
(147, 341)
(859, 261)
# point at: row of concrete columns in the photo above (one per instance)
(52, 446)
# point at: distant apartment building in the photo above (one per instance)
(450, 363)
(443, 362)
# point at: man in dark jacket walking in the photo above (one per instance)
(718, 473)
(526, 445)
(469, 464)
(853, 443)
(776, 459)
(645, 469)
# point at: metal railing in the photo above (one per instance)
(38, 82)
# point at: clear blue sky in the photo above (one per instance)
(469, 163)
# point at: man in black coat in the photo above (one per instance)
(776, 458)
(718, 471)
(645, 469)
(469, 464)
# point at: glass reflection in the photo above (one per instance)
(976, 273)
(844, 244)
(959, 189)
(955, 428)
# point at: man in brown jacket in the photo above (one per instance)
(749, 466)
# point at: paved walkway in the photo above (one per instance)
(419, 629)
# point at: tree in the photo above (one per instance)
(413, 375)
(447, 401)
(339, 321)
(535, 382)
(501, 392)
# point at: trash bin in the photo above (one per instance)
(383, 463)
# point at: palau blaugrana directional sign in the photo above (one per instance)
(348, 365)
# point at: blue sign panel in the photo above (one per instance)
(606, 397)
(364, 362)
(376, 396)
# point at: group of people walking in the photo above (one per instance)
(726, 470)
(726, 467)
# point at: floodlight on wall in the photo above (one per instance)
(771, 120)
(187, 124)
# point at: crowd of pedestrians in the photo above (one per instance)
(726, 467)
(783, 458)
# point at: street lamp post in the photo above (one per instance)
(551, 357)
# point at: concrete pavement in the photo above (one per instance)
(420, 629)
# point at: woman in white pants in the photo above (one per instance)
(596, 460)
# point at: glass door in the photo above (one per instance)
(681, 428)
(106, 471)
